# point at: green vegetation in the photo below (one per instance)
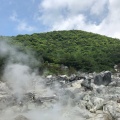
(76, 49)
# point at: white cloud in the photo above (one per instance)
(70, 23)
(76, 22)
(99, 16)
(22, 25)
(111, 24)
(55, 11)
(98, 7)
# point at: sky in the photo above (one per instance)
(36, 16)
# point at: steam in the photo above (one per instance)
(14, 55)
(20, 78)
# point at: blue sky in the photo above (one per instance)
(31, 16)
(18, 17)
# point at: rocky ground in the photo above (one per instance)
(79, 97)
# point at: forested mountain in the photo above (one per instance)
(76, 49)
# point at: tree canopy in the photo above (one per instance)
(81, 50)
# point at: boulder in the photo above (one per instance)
(49, 77)
(6, 100)
(113, 84)
(87, 102)
(113, 108)
(87, 84)
(20, 117)
(102, 116)
(72, 78)
(97, 104)
(103, 78)
(75, 78)
(62, 78)
(41, 100)
(117, 67)
(77, 84)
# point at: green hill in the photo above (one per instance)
(76, 49)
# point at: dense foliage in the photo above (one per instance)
(77, 49)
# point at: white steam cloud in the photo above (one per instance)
(18, 80)
(17, 71)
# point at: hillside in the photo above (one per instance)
(77, 49)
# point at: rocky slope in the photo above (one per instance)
(79, 97)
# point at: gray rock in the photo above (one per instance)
(97, 104)
(20, 117)
(113, 109)
(102, 116)
(117, 67)
(41, 100)
(6, 100)
(87, 84)
(75, 78)
(113, 84)
(87, 102)
(103, 78)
